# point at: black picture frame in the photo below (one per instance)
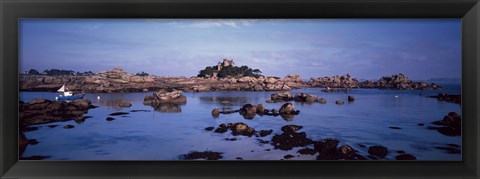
(12, 10)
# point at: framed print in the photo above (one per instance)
(278, 89)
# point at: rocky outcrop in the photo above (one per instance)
(164, 96)
(344, 81)
(451, 98)
(308, 98)
(42, 111)
(165, 101)
(398, 81)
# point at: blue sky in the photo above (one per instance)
(365, 48)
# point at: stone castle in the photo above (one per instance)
(225, 63)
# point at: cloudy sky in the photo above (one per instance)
(365, 48)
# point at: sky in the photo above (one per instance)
(365, 48)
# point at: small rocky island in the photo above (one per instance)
(225, 76)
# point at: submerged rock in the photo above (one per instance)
(339, 102)
(68, 126)
(264, 133)
(125, 104)
(291, 128)
(118, 113)
(450, 149)
(209, 128)
(322, 100)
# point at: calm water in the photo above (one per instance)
(176, 130)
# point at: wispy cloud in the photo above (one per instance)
(214, 23)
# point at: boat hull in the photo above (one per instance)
(74, 97)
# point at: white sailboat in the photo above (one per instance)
(68, 95)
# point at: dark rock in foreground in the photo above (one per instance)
(41, 111)
(208, 155)
(288, 140)
(378, 151)
(451, 125)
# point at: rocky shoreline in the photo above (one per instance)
(118, 81)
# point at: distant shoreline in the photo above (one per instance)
(117, 80)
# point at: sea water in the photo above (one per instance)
(174, 130)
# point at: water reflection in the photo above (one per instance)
(224, 100)
(166, 107)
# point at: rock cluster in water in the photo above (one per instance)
(452, 98)
(249, 111)
(344, 81)
(398, 81)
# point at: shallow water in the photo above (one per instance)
(179, 129)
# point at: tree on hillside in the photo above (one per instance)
(57, 72)
(230, 71)
(142, 74)
(33, 72)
